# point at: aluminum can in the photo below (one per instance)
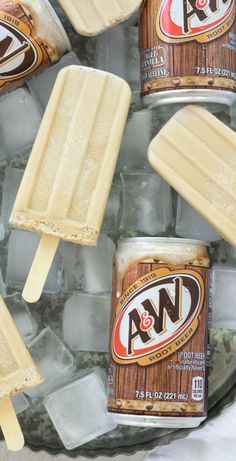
(188, 52)
(159, 344)
(31, 38)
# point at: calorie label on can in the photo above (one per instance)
(159, 342)
(188, 44)
(23, 51)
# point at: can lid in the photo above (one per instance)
(170, 240)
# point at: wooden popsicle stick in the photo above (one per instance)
(40, 268)
(10, 425)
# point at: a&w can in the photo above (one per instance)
(31, 38)
(159, 333)
(188, 51)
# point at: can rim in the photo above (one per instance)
(189, 96)
(164, 240)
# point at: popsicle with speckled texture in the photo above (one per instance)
(196, 154)
(66, 185)
(17, 373)
(91, 17)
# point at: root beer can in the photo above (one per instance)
(31, 38)
(158, 372)
(188, 51)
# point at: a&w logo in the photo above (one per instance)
(19, 53)
(200, 20)
(159, 318)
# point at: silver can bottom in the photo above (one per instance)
(213, 100)
(161, 422)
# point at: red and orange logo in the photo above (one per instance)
(20, 54)
(159, 317)
(200, 20)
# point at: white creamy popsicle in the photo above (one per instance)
(66, 185)
(196, 154)
(91, 17)
(17, 373)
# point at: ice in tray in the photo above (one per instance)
(11, 184)
(20, 403)
(79, 411)
(189, 224)
(97, 265)
(20, 312)
(19, 122)
(117, 52)
(54, 361)
(22, 246)
(224, 296)
(136, 139)
(112, 214)
(86, 320)
(89, 268)
(146, 204)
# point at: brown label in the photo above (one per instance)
(188, 44)
(159, 342)
(22, 51)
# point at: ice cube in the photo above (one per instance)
(25, 323)
(117, 52)
(233, 116)
(146, 203)
(12, 180)
(97, 265)
(2, 231)
(41, 84)
(2, 286)
(189, 224)
(20, 403)
(79, 411)
(137, 136)
(22, 247)
(89, 268)
(54, 361)
(231, 252)
(132, 56)
(73, 270)
(110, 51)
(224, 297)
(111, 219)
(86, 321)
(19, 121)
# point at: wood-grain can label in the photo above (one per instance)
(188, 44)
(31, 38)
(159, 340)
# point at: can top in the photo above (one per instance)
(173, 251)
(48, 25)
(164, 240)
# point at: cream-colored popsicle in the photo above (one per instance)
(91, 17)
(196, 154)
(65, 188)
(17, 372)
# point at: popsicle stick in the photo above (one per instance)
(40, 268)
(10, 425)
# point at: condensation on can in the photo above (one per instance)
(31, 38)
(159, 345)
(188, 52)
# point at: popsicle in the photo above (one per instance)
(196, 154)
(91, 17)
(66, 185)
(17, 372)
